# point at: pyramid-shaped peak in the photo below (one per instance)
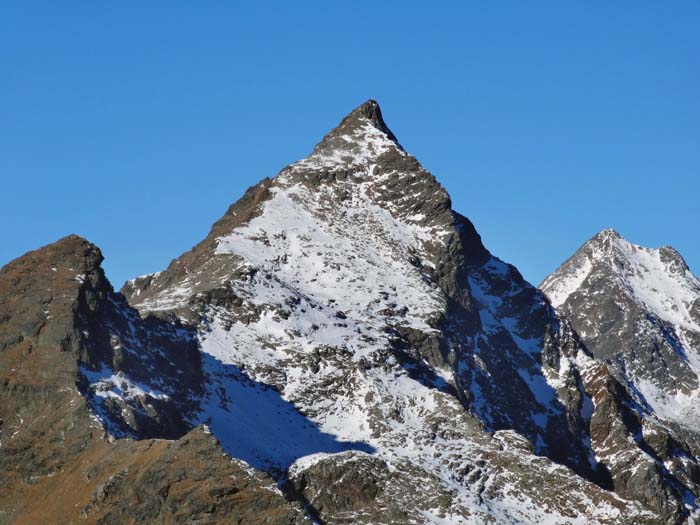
(606, 236)
(359, 140)
(606, 241)
(618, 260)
(370, 111)
(363, 121)
(609, 233)
(609, 241)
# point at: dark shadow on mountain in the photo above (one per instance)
(254, 423)
(291, 493)
(420, 371)
(423, 373)
(513, 395)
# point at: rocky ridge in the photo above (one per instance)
(635, 309)
(81, 376)
(344, 333)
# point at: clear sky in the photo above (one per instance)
(136, 124)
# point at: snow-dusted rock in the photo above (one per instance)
(634, 309)
(350, 352)
(350, 321)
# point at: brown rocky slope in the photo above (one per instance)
(57, 463)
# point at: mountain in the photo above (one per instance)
(638, 311)
(649, 302)
(342, 342)
(349, 285)
(68, 344)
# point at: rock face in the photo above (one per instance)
(58, 297)
(646, 321)
(635, 309)
(347, 339)
(67, 342)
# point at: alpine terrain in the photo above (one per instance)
(638, 311)
(342, 349)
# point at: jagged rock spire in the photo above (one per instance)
(371, 111)
(359, 140)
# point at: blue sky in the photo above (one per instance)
(136, 124)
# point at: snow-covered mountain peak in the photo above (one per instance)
(371, 111)
(606, 237)
(358, 186)
(639, 308)
(608, 233)
(348, 318)
(345, 331)
(673, 260)
(608, 244)
(658, 278)
(359, 141)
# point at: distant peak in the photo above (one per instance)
(673, 259)
(610, 245)
(606, 239)
(608, 233)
